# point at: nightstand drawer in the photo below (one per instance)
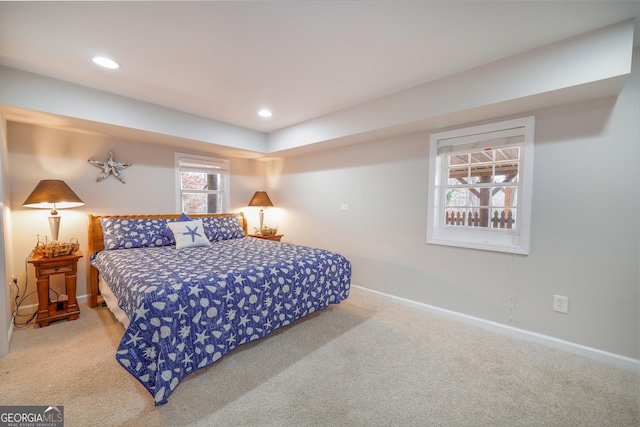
(57, 267)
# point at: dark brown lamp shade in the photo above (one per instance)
(260, 199)
(52, 194)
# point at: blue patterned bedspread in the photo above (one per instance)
(188, 308)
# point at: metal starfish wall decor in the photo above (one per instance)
(110, 167)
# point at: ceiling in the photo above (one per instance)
(301, 59)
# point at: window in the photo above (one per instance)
(480, 186)
(202, 184)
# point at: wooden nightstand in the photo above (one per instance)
(275, 237)
(45, 267)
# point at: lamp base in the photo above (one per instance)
(54, 225)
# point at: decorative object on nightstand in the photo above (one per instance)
(53, 194)
(67, 306)
(260, 198)
(53, 249)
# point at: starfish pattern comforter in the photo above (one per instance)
(188, 308)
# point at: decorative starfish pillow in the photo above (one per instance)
(189, 234)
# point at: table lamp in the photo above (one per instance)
(260, 198)
(53, 194)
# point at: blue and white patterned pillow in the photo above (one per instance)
(127, 233)
(222, 228)
(168, 234)
(188, 234)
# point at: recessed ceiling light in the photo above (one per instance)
(264, 113)
(106, 62)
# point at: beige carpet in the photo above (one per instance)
(366, 362)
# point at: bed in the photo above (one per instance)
(190, 290)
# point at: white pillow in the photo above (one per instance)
(189, 233)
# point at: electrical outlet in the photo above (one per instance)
(560, 304)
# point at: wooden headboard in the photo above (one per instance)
(96, 242)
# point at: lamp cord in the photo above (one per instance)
(18, 300)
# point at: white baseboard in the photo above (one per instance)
(581, 350)
(10, 332)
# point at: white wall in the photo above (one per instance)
(5, 243)
(585, 231)
(37, 153)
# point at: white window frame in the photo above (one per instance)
(501, 240)
(207, 164)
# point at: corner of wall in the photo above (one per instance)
(5, 253)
